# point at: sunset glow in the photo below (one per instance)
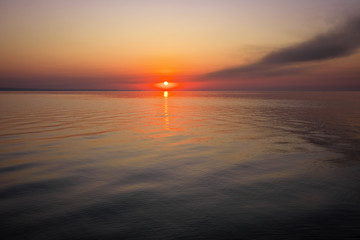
(180, 119)
(201, 45)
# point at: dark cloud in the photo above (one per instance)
(339, 42)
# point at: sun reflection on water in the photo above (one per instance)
(166, 112)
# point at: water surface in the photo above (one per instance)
(180, 165)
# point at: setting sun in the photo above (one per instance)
(165, 85)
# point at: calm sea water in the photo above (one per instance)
(180, 165)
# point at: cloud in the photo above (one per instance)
(336, 43)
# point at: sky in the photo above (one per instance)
(192, 44)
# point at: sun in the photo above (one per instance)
(166, 85)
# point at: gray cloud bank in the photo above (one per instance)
(339, 42)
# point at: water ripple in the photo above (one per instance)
(188, 165)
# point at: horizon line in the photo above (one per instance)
(194, 90)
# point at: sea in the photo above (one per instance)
(179, 165)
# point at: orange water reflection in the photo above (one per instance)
(166, 112)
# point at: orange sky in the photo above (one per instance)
(123, 45)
